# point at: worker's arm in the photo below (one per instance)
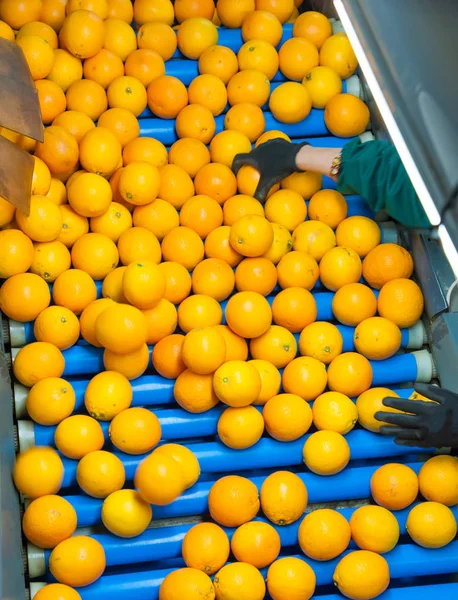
(373, 170)
(427, 424)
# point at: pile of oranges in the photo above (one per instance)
(218, 284)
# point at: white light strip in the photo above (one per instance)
(404, 153)
(449, 248)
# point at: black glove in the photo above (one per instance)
(428, 424)
(275, 160)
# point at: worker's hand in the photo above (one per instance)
(427, 424)
(275, 160)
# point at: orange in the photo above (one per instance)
(185, 458)
(232, 14)
(78, 561)
(431, 525)
(158, 37)
(24, 296)
(346, 115)
(401, 301)
(219, 61)
(145, 65)
(50, 401)
(161, 321)
(176, 185)
(87, 96)
(129, 93)
(122, 123)
(337, 54)
(237, 383)
(159, 479)
(6, 32)
(256, 275)
(394, 486)
(359, 233)
(90, 195)
(377, 338)
(338, 267)
(100, 473)
(313, 26)
(139, 183)
(107, 393)
(262, 25)
(183, 245)
(17, 12)
(386, 262)
(350, 373)
(287, 208)
(215, 180)
(204, 350)
(195, 121)
(121, 9)
(314, 238)
(99, 7)
(305, 376)
(322, 83)
(145, 149)
(48, 521)
(199, 311)
(130, 332)
(240, 428)
(213, 277)
(96, 254)
(438, 479)
(248, 178)
(209, 91)
(246, 118)
(273, 134)
(57, 192)
(270, 380)
(143, 284)
(369, 402)
(51, 99)
(89, 317)
(290, 102)
(190, 582)
(188, 9)
(283, 497)
(57, 325)
(202, 214)
(250, 86)
(256, 543)
(333, 411)
(361, 575)
(297, 57)
(75, 122)
(38, 471)
(287, 417)
(374, 528)
(233, 501)
(290, 578)
(251, 235)
(44, 222)
(7, 211)
(248, 314)
(112, 289)
(167, 356)
(140, 244)
(259, 55)
(41, 177)
(100, 151)
(158, 216)
(194, 393)
(113, 222)
(236, 346)
(353, 303)
(282, 9)
(217, 246)
(39, 55)
(59, 151)
(239, 206)
(161, 12)
(281, 245)
(120, 38)
(276, 345)
(239, 580)
(57, 591)
(227, 144)
(16, 253)
(66, 69)
(326, 452)
(324, 534)
(205, 547)
(177, 281)
(328, 206)
(321, 340)
(189, 154)
(167, 95)
(74, 289)
(82, 34)
(195, 35)
(126, 514)
(297, 269)
(135, 431)
(294, 308)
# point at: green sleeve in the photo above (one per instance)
(374, 171)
